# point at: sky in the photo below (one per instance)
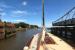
(30, 11)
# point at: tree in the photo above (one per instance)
(21, 24)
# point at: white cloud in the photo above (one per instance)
(3, 5)
(24, 3)
(1, 9)
(3, 14)
(19, 20)
(16, 21)
(19, 12)
(5, 20)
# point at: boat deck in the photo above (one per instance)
(60, 44)
(57, 44)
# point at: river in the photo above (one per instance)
(18, 41)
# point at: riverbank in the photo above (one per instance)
(17, 30)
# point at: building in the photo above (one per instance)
(9, 28)
(6, 29)
(2, 31)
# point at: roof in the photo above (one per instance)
(10, 25)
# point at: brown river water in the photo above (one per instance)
(18, 41)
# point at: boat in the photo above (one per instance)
(45, 40)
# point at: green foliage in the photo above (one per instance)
(21, 24)
(25, 25)
(33, 26)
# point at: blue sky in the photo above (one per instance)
(30, 11)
